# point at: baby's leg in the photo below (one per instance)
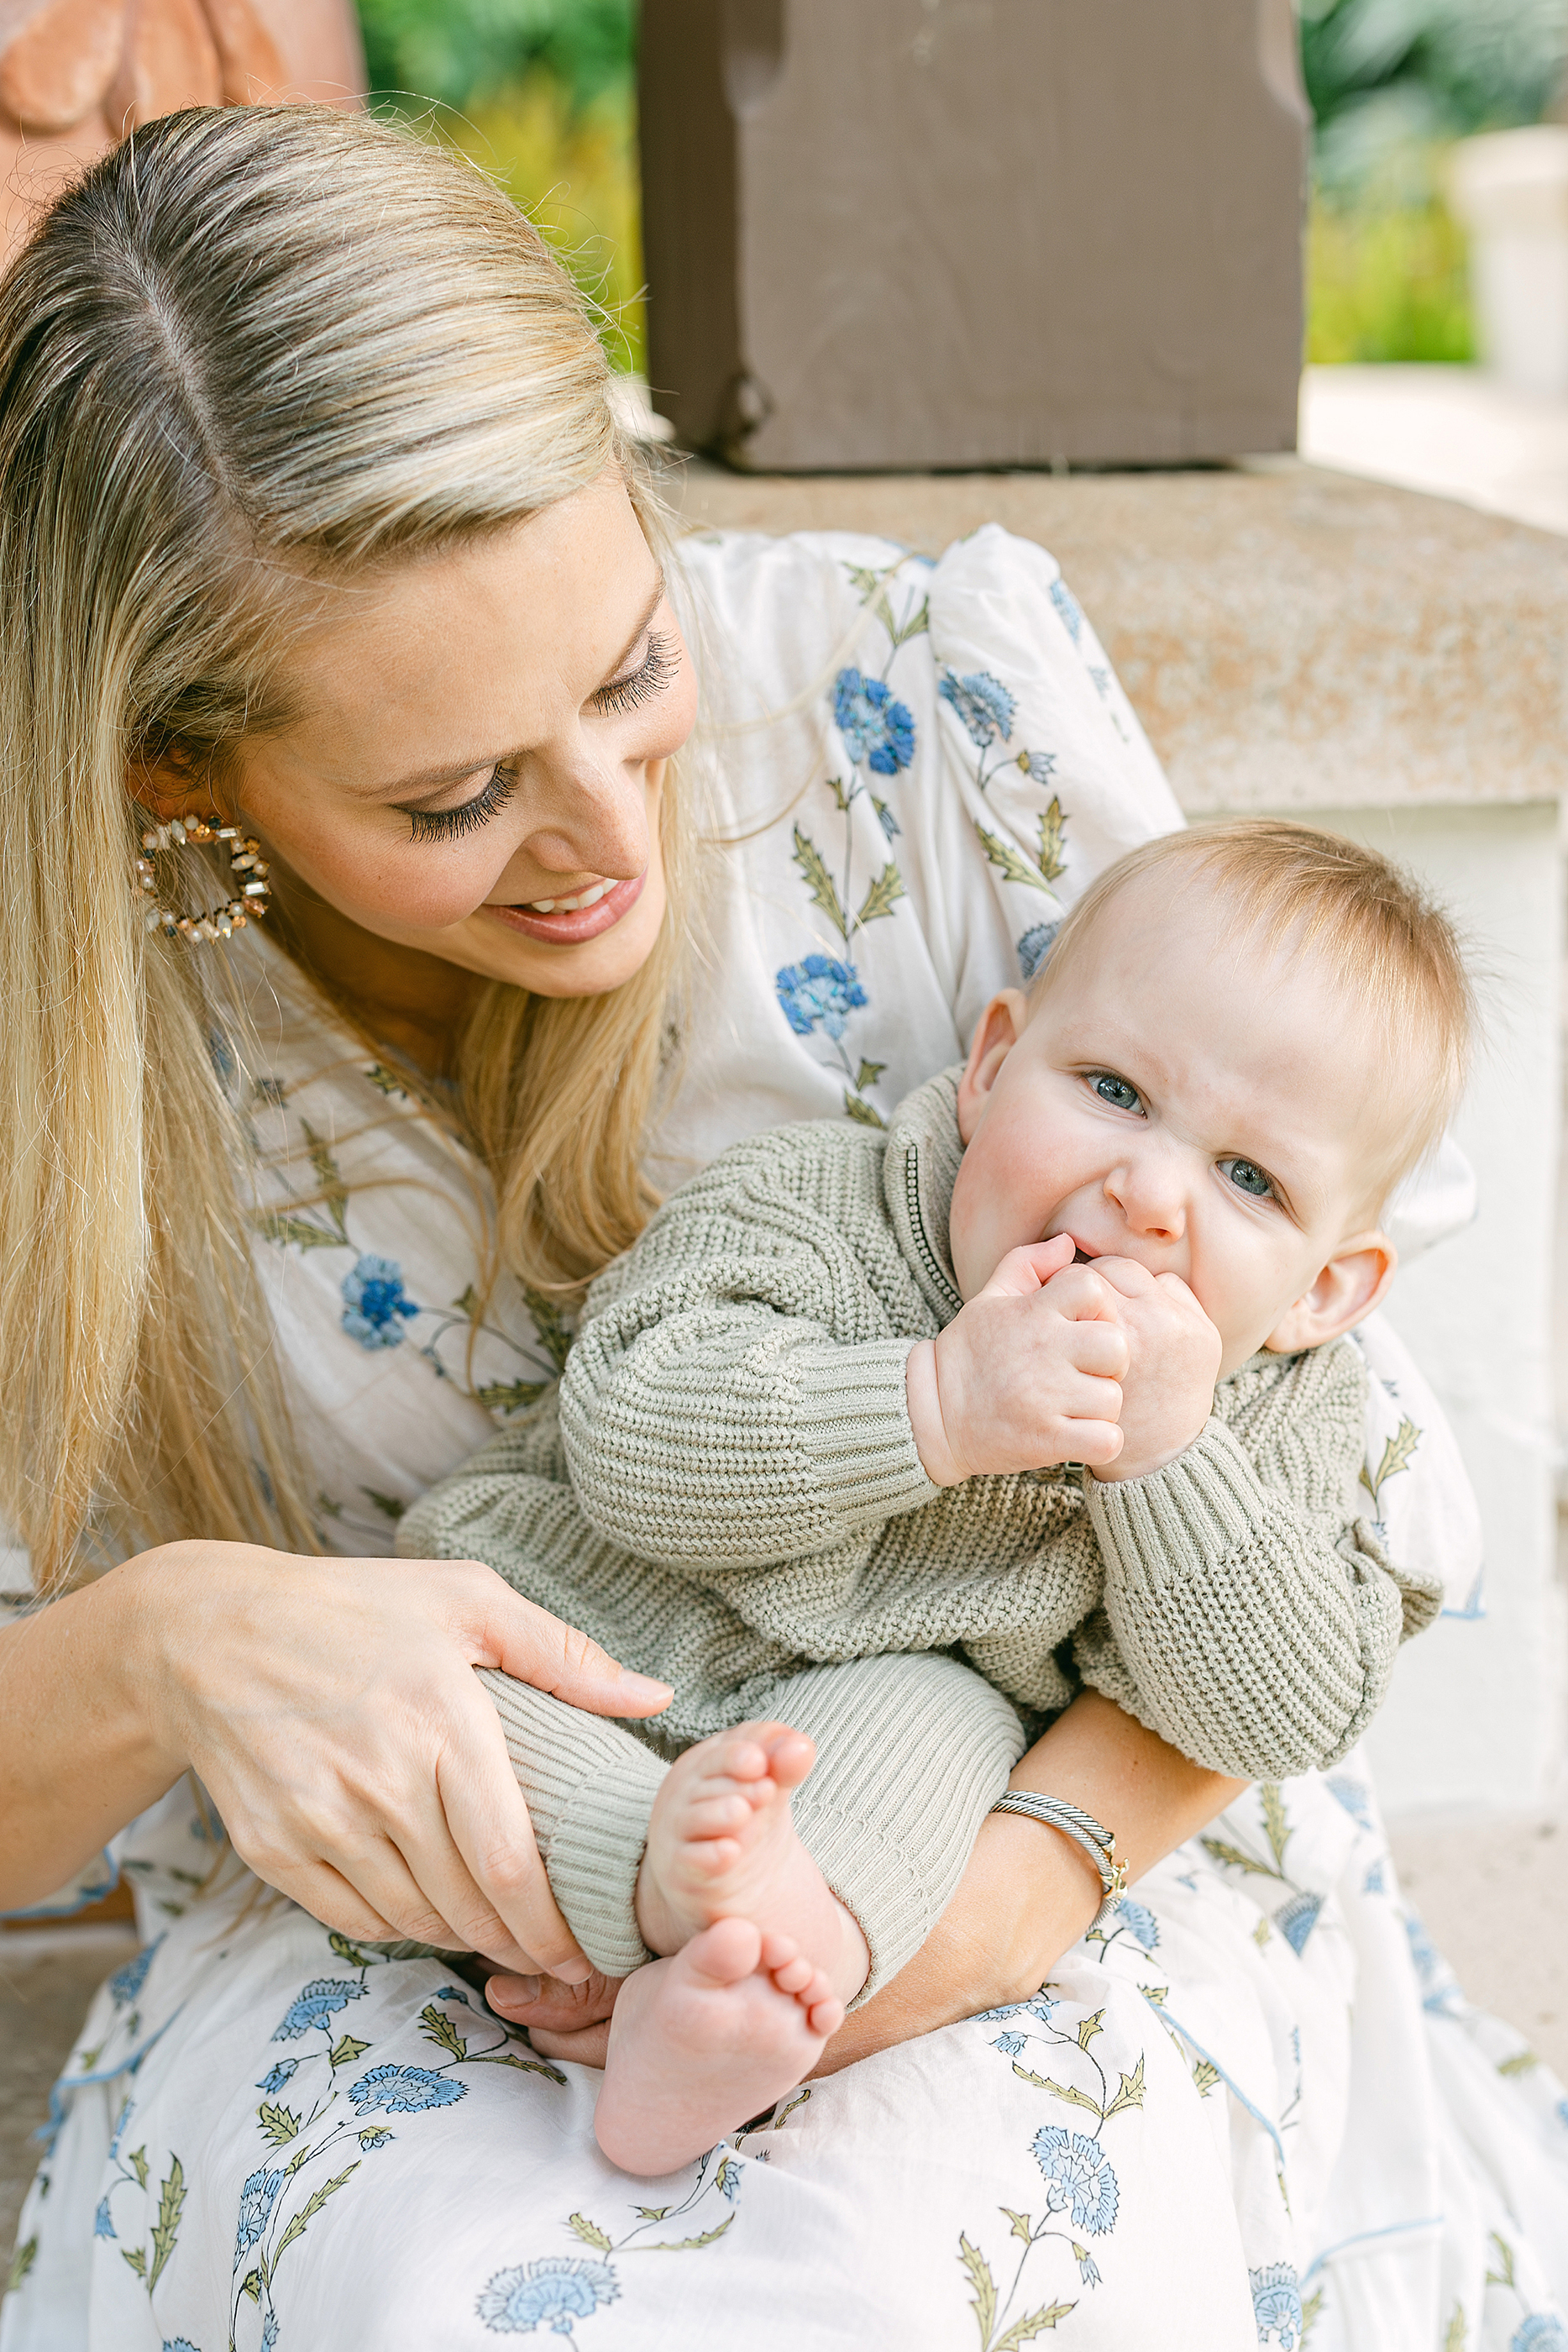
(590, 1787)
(914, 1751)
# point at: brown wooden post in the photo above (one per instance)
(934, 233)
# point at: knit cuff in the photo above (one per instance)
(1191, 1514)
(851, 1416)
(591, 1786)
(595, 1855)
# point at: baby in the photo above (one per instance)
(879, 1446)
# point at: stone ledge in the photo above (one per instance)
(1290, 636)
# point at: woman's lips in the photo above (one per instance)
(569, 930)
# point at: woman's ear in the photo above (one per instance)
(996, 1031)
(1353, 1281)
(168, 786)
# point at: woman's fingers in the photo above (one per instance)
(322, 1891)
(551, 2006)
(528, 1643)
(488, 1818)
(588, 2047)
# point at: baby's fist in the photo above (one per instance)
(1167, 1390)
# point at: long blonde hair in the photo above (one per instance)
(251, 348)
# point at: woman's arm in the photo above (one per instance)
(1030, 1892)
(330, 1708)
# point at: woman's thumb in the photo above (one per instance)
(534, 1647)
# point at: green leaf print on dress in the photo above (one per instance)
(333, 2110)
(554, 2290)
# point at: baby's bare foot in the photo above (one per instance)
(722, 1845)
(700, 2043)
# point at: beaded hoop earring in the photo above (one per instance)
(246, 862)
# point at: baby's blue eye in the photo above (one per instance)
(1115, 1090)
(1246, 1177)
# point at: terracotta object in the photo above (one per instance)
(77, 74)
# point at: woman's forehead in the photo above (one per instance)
(437, 663)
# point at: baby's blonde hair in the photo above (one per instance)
(255, 354)
(1385, 940)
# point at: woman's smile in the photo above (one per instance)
(567, 922)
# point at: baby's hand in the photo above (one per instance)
(1025, 1374)
(1167, 1390)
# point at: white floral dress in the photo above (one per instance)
(1255, 2110)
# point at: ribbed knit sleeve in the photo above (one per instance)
(737, 1394)
(1245, 1617)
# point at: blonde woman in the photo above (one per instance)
(317, 534)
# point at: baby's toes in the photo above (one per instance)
(825, 2016)
(795, 1974)
(719, 1815)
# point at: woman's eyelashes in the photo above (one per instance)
(653, 673)
(449, 825)
(659, 666)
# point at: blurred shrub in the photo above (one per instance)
(453, 50)
(1386, 282)
(541, 95)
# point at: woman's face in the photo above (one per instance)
(479, 742)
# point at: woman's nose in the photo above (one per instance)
(587, 816)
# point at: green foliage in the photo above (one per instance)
(452, 50)
(539, 94)
(1386, 282)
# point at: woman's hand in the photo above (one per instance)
(330, 1708)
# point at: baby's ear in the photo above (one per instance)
(996, 1031)
(1353, 1281)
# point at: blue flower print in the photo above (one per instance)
(727, 2180)
(821, 988)
(319, 2001)
(1066, 604)
(1372, 1882)
(373, 1298)
(269, 2332)
(1010, 2044)
(551, 2293)
(120, 2121)
(127, 1982)
(1034, 947)
(1352, 1795)
(1078, 2178)
(257, 2198)
(402, 2090)
(1539, 2332)
(1039, 2009)
(982, 702)
(1276, 2305)
(1139, 1922)
(1088, 2268)
(1297, 1919)
(276, 2076)
(876, 727)
(183, 2343)
(377, 2137)
(102, 2225)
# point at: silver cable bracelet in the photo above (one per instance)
(1097, 1841)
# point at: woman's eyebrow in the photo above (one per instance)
(429, 779)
